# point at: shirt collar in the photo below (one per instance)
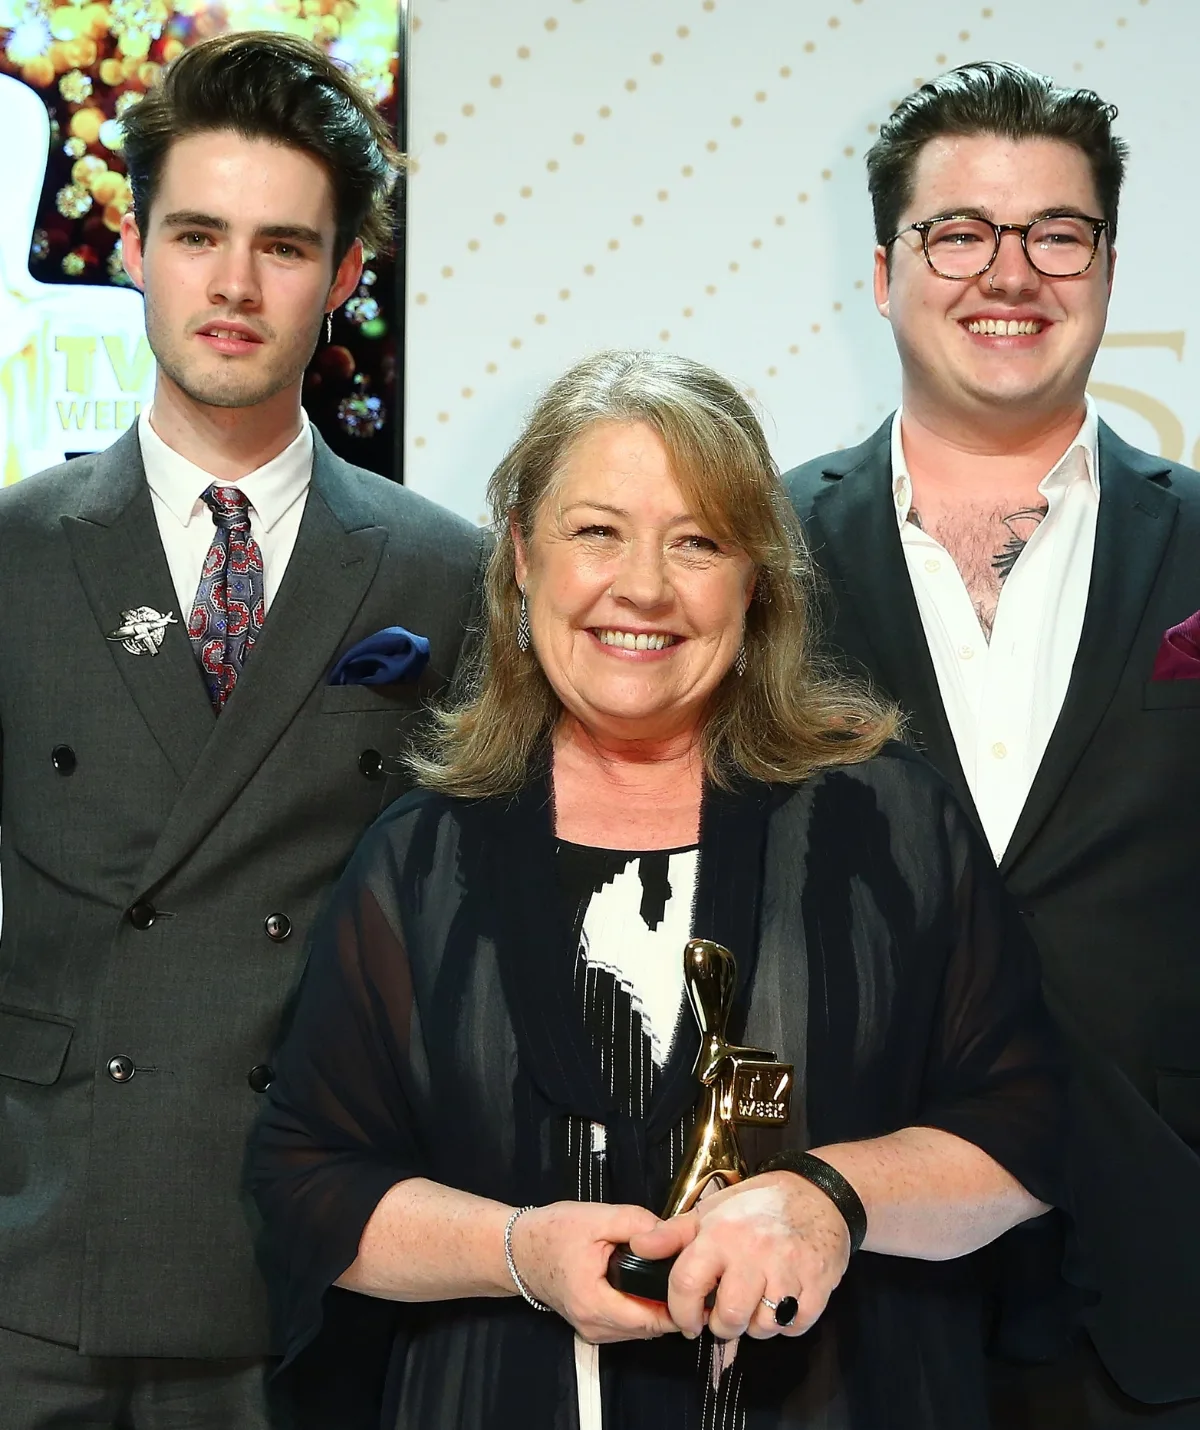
(270, 489)
(1066, 470)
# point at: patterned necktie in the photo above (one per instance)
(229, 608)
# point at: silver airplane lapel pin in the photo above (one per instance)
(141, 630)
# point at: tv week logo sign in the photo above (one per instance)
(75, 367)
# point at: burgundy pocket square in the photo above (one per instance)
(1178, 655)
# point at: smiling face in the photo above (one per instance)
(636, 610)
(237, 268)
(1010, 338)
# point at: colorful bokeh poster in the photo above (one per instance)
(75, 367)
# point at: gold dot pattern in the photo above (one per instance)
(638, 220)
(942, 61)
(737, 122)
(525, 52)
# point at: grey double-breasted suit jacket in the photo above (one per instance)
(161, 868)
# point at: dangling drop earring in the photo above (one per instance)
(328, 328)
(524, 636)
(739, 660)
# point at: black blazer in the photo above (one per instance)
(161, 870)
(1104, 863)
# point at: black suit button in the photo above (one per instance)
(278, 927)
(370, 763)
(260, 1078)
(121, 1068)
(62, 757)
(142, 914)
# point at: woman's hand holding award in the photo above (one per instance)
(741, 1087)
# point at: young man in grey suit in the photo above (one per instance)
(1027, 586)
(181, 780)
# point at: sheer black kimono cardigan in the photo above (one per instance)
(436, 1034)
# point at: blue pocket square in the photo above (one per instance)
(389, 655)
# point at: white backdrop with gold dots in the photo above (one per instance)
(688, 175)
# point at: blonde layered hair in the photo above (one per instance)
(787, 715)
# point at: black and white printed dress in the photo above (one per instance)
(462, 1021)
(632, 916)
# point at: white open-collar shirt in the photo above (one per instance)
(1003, 697)
(276, 493)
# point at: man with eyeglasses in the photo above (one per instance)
(1027, 586)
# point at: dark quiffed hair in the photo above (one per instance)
(265, 85)
(992, 97)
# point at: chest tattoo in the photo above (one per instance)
(985, 543)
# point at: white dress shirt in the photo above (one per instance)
(1003, 697)
(275, 491)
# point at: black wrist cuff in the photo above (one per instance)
(831, 1182)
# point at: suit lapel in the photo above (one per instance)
(853, 533)
(118, 554)
(1133, 527)
(335, 559)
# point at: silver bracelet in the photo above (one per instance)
(512, 1265)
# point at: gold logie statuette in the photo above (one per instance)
(741, 1087)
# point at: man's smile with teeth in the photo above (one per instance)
(627, 640)
(1005, 328)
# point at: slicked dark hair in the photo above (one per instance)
(992, 97)
(264, 85)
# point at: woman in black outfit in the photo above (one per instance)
(488, 1081)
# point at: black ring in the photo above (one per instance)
(785, 1311)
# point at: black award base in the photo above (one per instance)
(637, 1276)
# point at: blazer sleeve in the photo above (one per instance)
(338, 1130)
(1134, 1199)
